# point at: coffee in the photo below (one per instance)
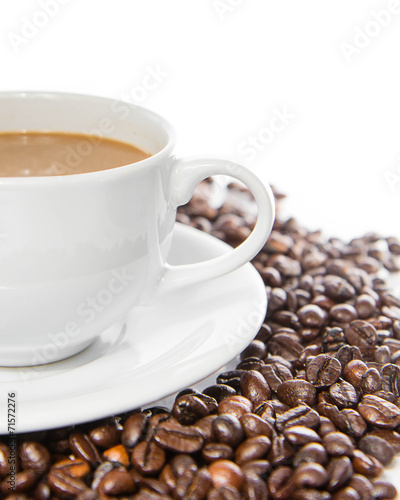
(26, 154)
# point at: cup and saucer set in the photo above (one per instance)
(108, 304)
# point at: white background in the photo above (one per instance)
(224, 69)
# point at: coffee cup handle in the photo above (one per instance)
(187, 174)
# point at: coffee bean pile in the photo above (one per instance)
(311, 412)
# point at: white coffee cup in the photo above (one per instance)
(78, 251)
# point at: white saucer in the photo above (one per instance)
(161, 349)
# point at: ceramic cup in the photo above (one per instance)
(78, 251)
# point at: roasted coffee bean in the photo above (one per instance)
(117, 454)
(193, 484)
(333, 339)
(382, 355)
(82, 446)
(365, 306)
(231, 378)
(75, 468)
(116, 482)
(343, 313)
(148, 458)
(366, 464)
(100, 471)
(354, 371)
(227, 429)
(217, 451)
(279, 484)
(260, 468)
(326, 426)
(338, 289)
(347, 353)
(377, 447)
(254, 387)
(252, 448)
(275, 374)
(298, 435)
(339, 471)
(382, 490)
(337, 444)
(254, 488)
(312, 316)
(323, 370)
(226, 473)
(299, 415)
(309, 475)
(256, 348)
(343, 394)
(252, 363)
(219, 391)
(105, 435)
(297, 391)
(311, 452)
(390, 374)
(21, 482)
(346, 493)
(189, 408)
(363, 486)
(371, 381)
(350, 422)
(34, 456)
(205, 427)
(285, 346)
(379, 412)
(178, 438)
(63, 484)
(361, 334)
(281, 451)
(133, 429)
(253, 425)
(235, 406)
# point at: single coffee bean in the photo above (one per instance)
(217, 451)
(75, 468)
(361, 334)
(231, 378)
(326, 426)
(275, 374)
(390, 374)
(253, 425)
(235, 405)
(365, 306)
(100, 471)
(133, 429)
(343, 394)
(148, 458)
(333, 339)
(323, 370)
(311, 452)
(346, 493)
(310, 475)
(82, 446)
(285, 346)
(298, 435)
(390, 436)
(350, 422)
(254, 387)
(105, 435)
(371, 381)
(363, 486)
(299, 415)
(382, 355)
(34, 456)
(337, 444)
(248, 363)
(204, 425)
(117, 454)
(63, 484)
(312, 316)
(153, 485)
(377, 447)
(379, 412)
(366, 464)
(339, 471)
(178, 438)
(219, 391)
(347, 353)
(227, 429)
(343, 313)
(116, 482)
(189, 408)
(255, 348)
(354, 371)
(254, 488)
(382, 490)
(278, 482)
(226, 473)
(257, 467)
(297, 391)
(252, 448)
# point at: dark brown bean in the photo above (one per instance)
(379, 412)
(275, 374)
(253, 425)
(339, 472)
(219, 391)
(343, 394)
(189, 408)
(193, 484)
(311, 452)
(361, 334)
(34, 456)
(254, 387)
(323, 370)
(366, 464)
(217, 451)
(235, 405)
(148, 458)
(337, 444)
(227, 429)
(116, 482)
(63, 484)
(296, 391)
(310, 475)
(82, 446)
(226, 473)
(299, 415)
(377, 447)
(178, 438)
(252, 448)
(350, 422)
(298, 435)
(105, 435)
(382, 490)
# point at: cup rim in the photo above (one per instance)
(98, 174)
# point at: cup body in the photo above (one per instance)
(78, 251)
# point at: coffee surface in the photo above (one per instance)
(25, 154)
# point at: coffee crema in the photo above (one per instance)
(35, 154)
